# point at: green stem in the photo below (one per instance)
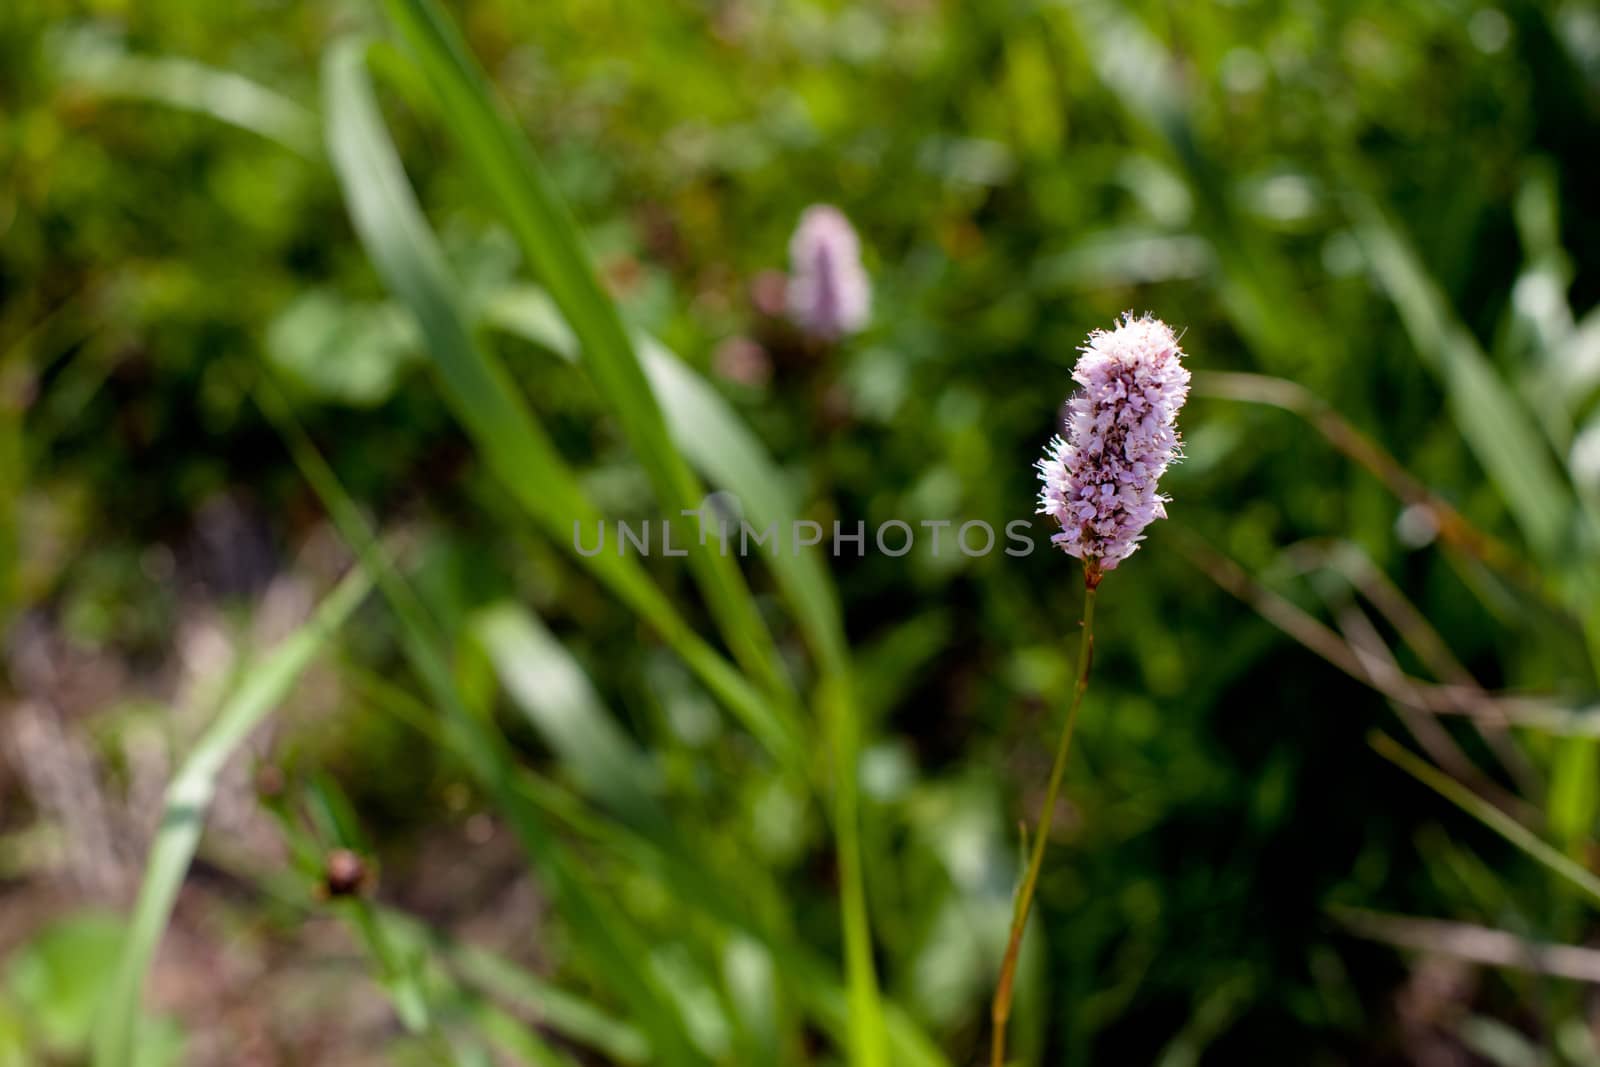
(1000, 1011)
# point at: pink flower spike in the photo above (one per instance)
(828, 293)
(1121, 435)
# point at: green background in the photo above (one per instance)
(1391, 204)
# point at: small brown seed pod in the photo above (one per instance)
(345, 874)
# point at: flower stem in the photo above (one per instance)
(1000, 1010)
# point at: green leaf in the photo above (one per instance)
(522, 1043)
(574, 1018)
(262, 688)
(13, 1035)
(1559, 524)
(340, 351)
(59, 976)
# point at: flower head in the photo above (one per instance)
(828, 294)
(1100, 480)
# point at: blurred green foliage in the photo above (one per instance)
(1390, 203)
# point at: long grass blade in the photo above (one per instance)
(1454, 528)
(717, 441)
(657, 849)
(1253, 276)
(509, 171)
(559, 701)
(1541, 851)
(403, 948)
(399, 959)
(722, 448)
(574, 1018)
(562, 704)
(1558, 523)
(260, 691)
(407, 257)
(90, 63)
(562, 1012)
(840, 706)
(510, 1034)
(611, 943)
(1499, 430)
(837, 707)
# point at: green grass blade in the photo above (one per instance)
(1574, 798)
(557, 1010)
(407, 257)
(734, 459)
(558, 700)
(513, 178)
(722, 448)
(1526, 840)
(610, 941)
(1497, 427)
(522, 1044)
(717, 441)
(262, 689)
(836, 702)
(403, 949)
(605, 342)
(698, 890)
(576, 1019)
(1557, 522)
(1254, 279)
(399, 963)
(89, 63)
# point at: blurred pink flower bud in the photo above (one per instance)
(829, 295)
